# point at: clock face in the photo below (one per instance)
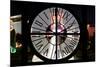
(55, 33)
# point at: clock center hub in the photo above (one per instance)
(53, 28)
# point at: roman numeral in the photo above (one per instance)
(59, 14)
(65, 15)
(73, 42)
(55, 55)
(45, 15)
(38, 29)
(38, 23)
(39, 39)
(70, 47)
(71, 24)
(39, 45)
(52, 13)
(46, 52)
(58, 11)
(43, 20)
(68, 20)
(63, 53)
(52, 52)
(67, 49)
